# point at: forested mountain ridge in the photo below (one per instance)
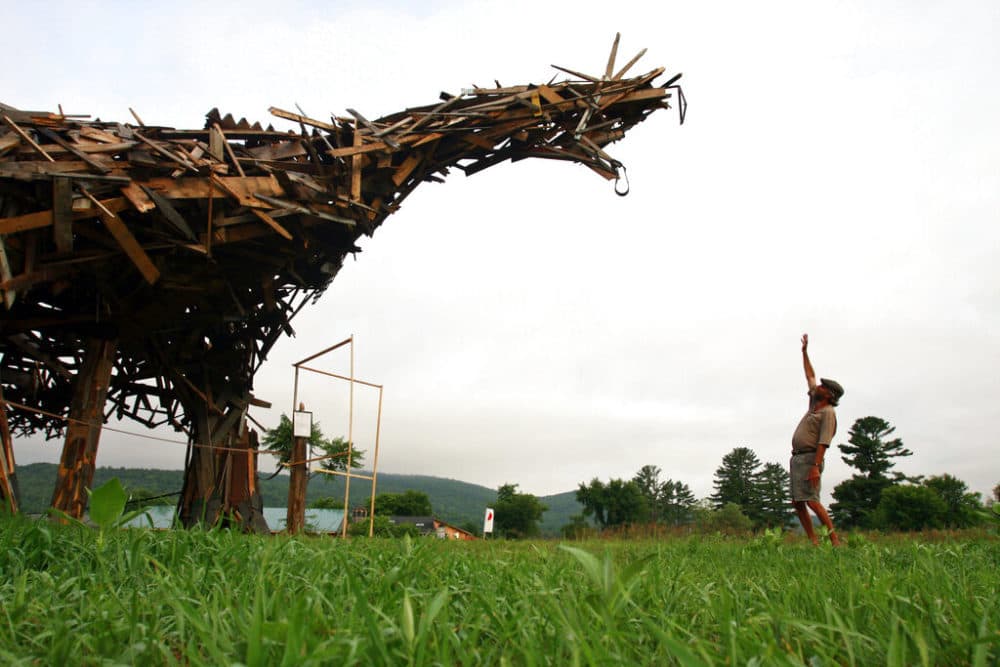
(454, 501)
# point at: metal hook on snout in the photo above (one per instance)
(620, 172)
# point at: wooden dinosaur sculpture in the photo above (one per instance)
(146, 271)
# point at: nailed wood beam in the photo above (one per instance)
(9, 295)
(62, 214)
(119, 230)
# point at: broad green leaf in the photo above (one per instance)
(107, 502)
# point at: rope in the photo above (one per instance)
(26, 408)
(143, 500)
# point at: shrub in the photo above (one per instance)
(728, 520)
(907, 507)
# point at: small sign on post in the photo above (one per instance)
(488, 521)
(302, 424)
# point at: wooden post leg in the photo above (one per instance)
(76, 467)
(243, 499)
(221, 483)
(296, 518)
(202, 499)
(8, 481)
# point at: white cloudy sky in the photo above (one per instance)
(838, 174)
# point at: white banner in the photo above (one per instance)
(488, 521)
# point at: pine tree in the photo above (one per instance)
(677, 503)
(871, 452)
(648, 481)
(735, 482)
(773, 485)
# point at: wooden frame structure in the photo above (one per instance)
(347, 474)
(146, 271)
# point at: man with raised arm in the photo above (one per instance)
(810, 441)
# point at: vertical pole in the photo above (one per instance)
(76, 466)
(350, 447)
(8, 482)
(378, 430)
(296, 518)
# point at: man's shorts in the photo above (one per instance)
(799, 467)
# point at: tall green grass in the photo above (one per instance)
(219, 598)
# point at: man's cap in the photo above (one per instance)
(834, 387)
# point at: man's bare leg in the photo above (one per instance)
(806, 521)
(825, 520)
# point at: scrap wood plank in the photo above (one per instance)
(611, 58)
(272, 223)
(316, 210)
(477, 140)
(579, 75)
(394, 127)
(24, 135)
(240, 188)
(62, 214)
(40, 219)
(299, 118)
(9, 141)
(409, 164)
(508, 90)
(554, 98)
(359, 149)
(28, 170)
(59, 141)
(356, 166)
(138, 198)
(620, 73)
(170, 213)
(173, 157)
(281, 150)
(376, 132)
(5, 275)
(215, 141)
(228, 148)
(423, 120)
(89, 147)
(426, 139)
(131, 246)
(629, 96)
(99, 135)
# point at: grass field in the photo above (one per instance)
(72, 596)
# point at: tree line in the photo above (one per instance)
(750, 494)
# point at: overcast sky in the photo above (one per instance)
(837, 174)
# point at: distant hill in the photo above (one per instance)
(454, 501)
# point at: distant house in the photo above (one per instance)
(450, 532)
(428, 525)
